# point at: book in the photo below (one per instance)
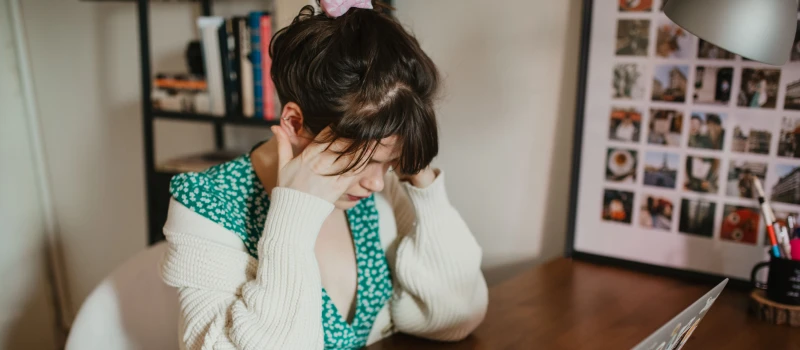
(212, 60)
(228, 76)
(245, 67)
(255, 60)
(232, 31)
(266, 63)
(180, 93)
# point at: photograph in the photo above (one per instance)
(669, 83)
(672, 41)
(792, 99)
(795, 55)
(759, 88)
(789, 140)
(661, 169)
(665, 128)
(707, 130)
(750, 135)
(635, 5)
(740, 224)
(633, 36)
(621, 165)
(740, 178)
(697, 217)
(702, 174)
(617, 206)
(656, 212)
(625, 124)
(629, 81)
(713, 85)
(707, 50)
(787, 188)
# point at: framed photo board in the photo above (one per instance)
(670, 131)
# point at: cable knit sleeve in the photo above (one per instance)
(442, 294)
(230, 300)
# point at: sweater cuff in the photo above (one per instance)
(427, 199)
(295, 217)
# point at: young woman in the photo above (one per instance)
(336, 232)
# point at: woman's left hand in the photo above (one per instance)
(421, 179)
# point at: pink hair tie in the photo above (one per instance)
(336, 8)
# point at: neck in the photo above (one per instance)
(265, 164)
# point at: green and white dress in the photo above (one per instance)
(231, 195)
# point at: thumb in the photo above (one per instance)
(285, 152)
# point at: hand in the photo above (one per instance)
(310, 171)
(421, 179)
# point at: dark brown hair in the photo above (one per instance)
(363, 75)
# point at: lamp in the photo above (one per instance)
(761, 30)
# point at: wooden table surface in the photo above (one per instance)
(568, 304)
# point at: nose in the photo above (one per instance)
(373, 178)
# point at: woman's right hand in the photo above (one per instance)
(310, 171)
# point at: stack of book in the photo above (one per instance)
(237, 71)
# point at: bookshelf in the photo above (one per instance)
(156, 181)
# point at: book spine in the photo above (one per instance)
(209, 28)
(255, 60)
(236, 74)
(266, 63)
(245, 69)
(225, 65)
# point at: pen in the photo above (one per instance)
(769, 218)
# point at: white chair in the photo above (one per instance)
(130, 309)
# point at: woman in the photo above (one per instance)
(335, 232)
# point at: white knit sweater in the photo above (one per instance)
(230, 300)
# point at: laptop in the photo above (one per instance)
(677, 331)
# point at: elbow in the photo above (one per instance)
(455, 320)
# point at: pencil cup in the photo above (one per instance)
(783, 280)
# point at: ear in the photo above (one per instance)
(291, 123)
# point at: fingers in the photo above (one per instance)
(285, 152)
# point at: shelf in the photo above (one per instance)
(208, 118)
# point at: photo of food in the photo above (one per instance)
(707, 130)
(633, 36)
(625, 124)
(697, 217)
(635, 5)
(740, 224)
(669, 83)
(621, 165)
(759, 88)
(741, 174)
(656, 212)
(617, 206)
(672, 41)
(792, 99)
(665, 127)
(750, 135)
(629, 81)
(789, 140)
(702, 174)
(661, 169)
(713, 85)
(707, 50)
(786, 189)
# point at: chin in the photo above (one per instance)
(344, 204)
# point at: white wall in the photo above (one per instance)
(510, 76)
(506, 118)
(27, 314)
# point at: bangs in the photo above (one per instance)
(403, 114)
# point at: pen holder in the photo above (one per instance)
(783, 280)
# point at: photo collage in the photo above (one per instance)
(691, 126)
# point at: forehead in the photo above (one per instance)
(388, 148)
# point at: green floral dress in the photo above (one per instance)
(231, 195)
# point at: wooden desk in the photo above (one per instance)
(567, 304)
